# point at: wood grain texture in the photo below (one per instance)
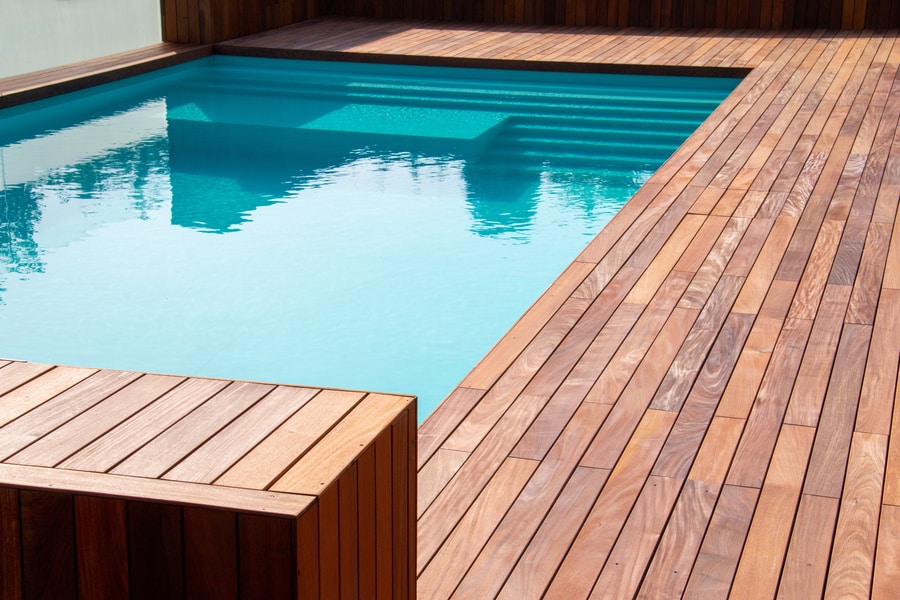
(853, 555)
(102, 547)
(887, 555)
(10, 544)
(806, 562)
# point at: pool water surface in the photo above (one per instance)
(341, 225)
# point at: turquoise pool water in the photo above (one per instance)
(332, 224)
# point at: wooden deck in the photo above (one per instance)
(703, 404)
(130, 485)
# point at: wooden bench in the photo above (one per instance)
(117, 484)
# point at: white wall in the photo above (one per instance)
(37, 34)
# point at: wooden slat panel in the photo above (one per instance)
(340, 446)
(10, 544)
(102, 545)
(156, 551)
(210, 554)
(265, 568)
(179, 440)
(214, 457)
(271, 458)
(48, 545)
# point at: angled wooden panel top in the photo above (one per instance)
(250, 447)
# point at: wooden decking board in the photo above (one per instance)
(644, 430)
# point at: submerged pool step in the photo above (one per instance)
(532, 104)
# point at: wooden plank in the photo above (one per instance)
(384, 525)
(761, 560)
(37, 391)
(102, 546)
(209, 461)
(671, 564)
(319, 467)
(542, 557)
(48, 545)
(210, 553)
(436, 473)
(59, 444)
(590, 550)
(761, 431)
(853, 554)
(628, 559)
(887, 557)
(272, 457)
(265, 568)
(829, 458)
(105, 452)
(366, 524)
(876, 398)
(175, 492)
(10, 544)
(59, 409)
(501, 552)
(17, 373)
(806, 562)
(442, 574)
(156, 551)
(815, 370)
(348, 528)
(720, 551)
(179, 440)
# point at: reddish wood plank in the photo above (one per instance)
(102, 545)
(806, 562)
(48, 545)
(761, 559)
(887, 557)
(210, 553)
(156, 551)
(10, 544)
(265, 568)
(721, 548)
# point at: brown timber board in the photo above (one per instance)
(705, 403)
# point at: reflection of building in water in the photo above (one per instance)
(52, 184)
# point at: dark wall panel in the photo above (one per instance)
(210, 21)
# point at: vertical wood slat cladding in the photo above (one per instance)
(210, 21)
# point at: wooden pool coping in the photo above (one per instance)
(704, 403)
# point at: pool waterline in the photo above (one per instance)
(506, 199)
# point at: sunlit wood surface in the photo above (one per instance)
(703, 403)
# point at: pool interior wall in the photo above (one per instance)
(334, 224)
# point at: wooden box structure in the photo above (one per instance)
(118, 484)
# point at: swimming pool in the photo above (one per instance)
(332, 224)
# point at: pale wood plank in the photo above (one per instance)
(319, 467)
(268, 460)
(37, 391)
(853, 554)
(442, 574)
(254, 426)
(887, 556)
(761, 560)
(806, 562)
